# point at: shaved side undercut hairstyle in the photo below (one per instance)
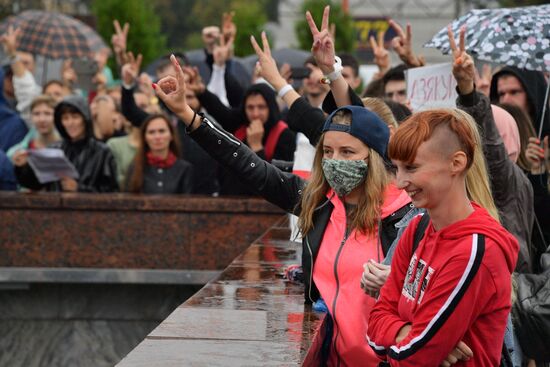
(420, 127)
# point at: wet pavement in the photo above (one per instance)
(247, 316)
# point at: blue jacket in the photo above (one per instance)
(12, 126)
(7, 175)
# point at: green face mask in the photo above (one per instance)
(344, 175)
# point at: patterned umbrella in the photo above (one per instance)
(511, 36)
(54, 35)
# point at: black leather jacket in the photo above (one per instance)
(282, 189)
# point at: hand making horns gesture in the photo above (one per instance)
(171, 90)
(463, 64)
(323, 44)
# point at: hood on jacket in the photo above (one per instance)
(79, 103)
(269, 95)
(508, 130)
(534, 84)
(481, 222)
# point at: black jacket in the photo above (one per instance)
(535, 86)
(232, 119)
(92, 159)
(177, 179)
(512, 190)
(205, 178)
(282, 189)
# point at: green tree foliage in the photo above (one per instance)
(144, 37)
(250, 19)
(345, 37)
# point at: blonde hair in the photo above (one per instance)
(478, 187)
(379, 107)
(366, 215)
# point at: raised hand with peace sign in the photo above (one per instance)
(119, 40)
(323, 44)
(463, 64)
(402, 44)
(381, 54)
(130, 70)
(267, 68)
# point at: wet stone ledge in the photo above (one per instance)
(247, 316)
(123, 231)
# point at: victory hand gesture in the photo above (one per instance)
(130, 70)
(381, 54)
(323, 44)
(463, 64)
(9, 40)
(171, 90)
(402, 44)
(222, 51)
(267, 66)
(119, 41)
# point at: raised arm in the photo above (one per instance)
(129, 108)
(280, 188)
(402, 45)
(511, 189)
(324, 53)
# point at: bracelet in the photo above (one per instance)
(284, 90)
(193, 119)
(327, 79)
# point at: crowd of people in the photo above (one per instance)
(422, 231)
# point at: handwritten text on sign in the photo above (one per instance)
(431, 87)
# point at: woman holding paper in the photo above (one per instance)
(92, 160)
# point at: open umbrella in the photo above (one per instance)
(509, 36)
(54, 35)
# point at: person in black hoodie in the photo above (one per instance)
(524, 88)
(92, 159)
(256, 123)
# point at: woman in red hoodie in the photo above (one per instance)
(454, 290)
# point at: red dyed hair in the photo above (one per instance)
(420, 126)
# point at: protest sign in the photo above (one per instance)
(431, 87)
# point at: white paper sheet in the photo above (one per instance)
(50, 165)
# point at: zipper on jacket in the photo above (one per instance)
(311, 269)
(221, 132)
(346, 234)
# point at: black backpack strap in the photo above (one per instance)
(419, 231)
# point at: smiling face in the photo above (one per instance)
(435, 170)
(42, 118)
(74, 125)
(158, 136)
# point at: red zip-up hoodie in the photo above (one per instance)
(456, 286)
(337, 274)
